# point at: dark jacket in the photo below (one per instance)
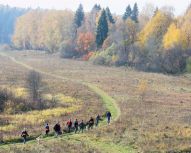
(57, 128)
(108, 114)
(76, 124)
(24, 134)
(82, 125)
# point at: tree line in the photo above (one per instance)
(8, 18)
(150, 40)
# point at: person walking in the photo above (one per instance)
(24, 135)
(47, 129)
(98, 118)
(82, 126)
(108, 115)
(76, 125)
(57, 129)
(69, 124)
(90, 123)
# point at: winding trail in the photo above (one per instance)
(107, 100)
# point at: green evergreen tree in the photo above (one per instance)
(96, 8)
(102, 29)
(127, 13)
(135, 13)
(156, 11)
(109, 16)
(79, 16)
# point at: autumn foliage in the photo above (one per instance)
(154, 41)
(44, 30)
(85, 42)
(155, 28)
(87, 56)
(173, 37)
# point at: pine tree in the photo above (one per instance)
(135, 13)
(96, 8)
(109, 16)
(127, 13)
(79, 16)
(156, 11)
(102, 29)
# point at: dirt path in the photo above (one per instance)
(108, 101)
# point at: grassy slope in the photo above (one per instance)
(109, 103)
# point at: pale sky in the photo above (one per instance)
(116, 6)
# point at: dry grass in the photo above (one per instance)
(75, 101)
(160, 121)
(65, 145)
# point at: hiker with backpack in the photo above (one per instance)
(108, 115)
(69, 124)
(82, 126)
(47, 129)
(57, 129)
(98, 118)
(76, 125)
(24, 135)
(91, 123)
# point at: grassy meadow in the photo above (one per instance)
(152, 111)
(73, 99)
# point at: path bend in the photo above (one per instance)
(109, 102)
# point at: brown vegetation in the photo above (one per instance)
(159, 122)
(66, 107)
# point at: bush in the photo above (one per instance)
(3, 99)
(68, 50)
(99, 60)
(120, 63)
(105, 57)
(87, 56)
(173, 61)
(151, 59)
(34, 83)
(188, 65)
(11, 104)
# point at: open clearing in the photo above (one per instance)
(157, 122)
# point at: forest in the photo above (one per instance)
(153, 39)
(8, 16)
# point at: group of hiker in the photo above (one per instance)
(70, 126)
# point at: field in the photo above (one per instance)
(152, 111)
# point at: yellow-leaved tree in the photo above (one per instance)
(186, 30)
(179, 34)
(155, 29)
(173, 37)
(43, 29)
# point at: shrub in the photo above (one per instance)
(3, 99)
(34, 83)
(173, 61)
(68, 50)
(88, 56)
(153, 59)
(99, 60)
(188, 65)
(85, 42)
(105, 57)
(11, 104)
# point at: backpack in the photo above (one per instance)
(76, 123)
(47, 128)
(69, 123)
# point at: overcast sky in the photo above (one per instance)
(116, 6)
